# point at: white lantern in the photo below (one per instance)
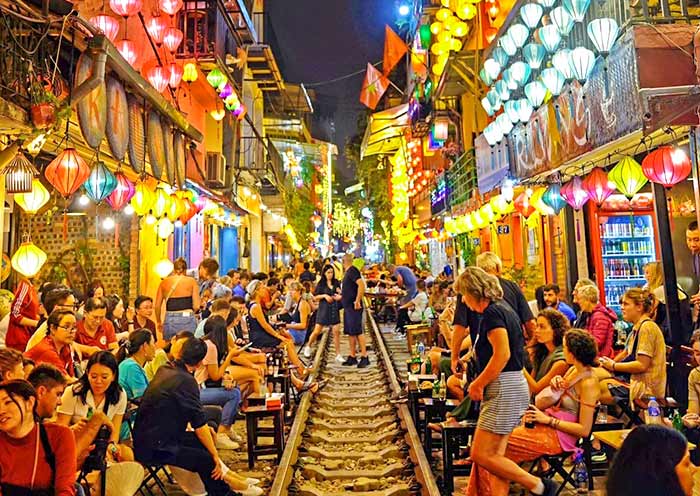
(492, 68)
(520, 72)
(550, 37)
(507, 190)
(553, 80)
(501, 88)
(562, 62)
(511, 110)
(487, 106)
(163, 268)
(519, 34)
(499, 55)
(504, 122)
(603, 33)
(561, 18)
(494, 99)
(493, 134)
(510, 82)
(535, 93)
(582, 63)
(534, 54)
(577, 8)
(531, 14)
(524, 110)
(508, 45)
(485, 77)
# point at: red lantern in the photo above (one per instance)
(129, 51)
(125, 8)
(190, 211)
(523, 206)
(107, 24)
(574, 194)
(172, 37)
(170, 7)
(156, 27)
(67, 172)
(159, 77)
(176, 73)
(667, 165)
(122, 193)
(597, 186)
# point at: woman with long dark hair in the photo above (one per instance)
(327, 294)
(115, 314)
(548, 355)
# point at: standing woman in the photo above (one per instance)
(24, 315)
(501, 385)
(180, 294)
(327, 294)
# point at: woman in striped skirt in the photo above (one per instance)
(500, 386)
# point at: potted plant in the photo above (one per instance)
(47, 110)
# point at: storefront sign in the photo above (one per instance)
(92, 109)
(571, 124)
(532, 144)
(439, 195)
(117, 119)
(492, 164)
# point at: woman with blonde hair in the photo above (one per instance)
(654, 275)
(179, 293)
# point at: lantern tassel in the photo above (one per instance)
(65, 225)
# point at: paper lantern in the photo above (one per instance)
(190, 211)
(494, 99)
(508, 190)
(531, 14)
(100, 183)
(107, 25)
(562, 62)
(176, 73)
(492, 68)
(553, 199)
(577, 8)
(520, 72)
(518, 34)
(19, 174)
(628, 177)
(667, 165)
(159, 77)
(523, 206)
(501, 205)
(28, 259)
(164, 228)
(122, 193)
(225, 90)
(536, 200)
(597, 186)
(582, 63)
(161, 203)
(461, 29)
(508, 45)
(574, 194)
(217, 114)
(486, 104)
(534, 54)
(163, 268)
(170, 7)
(487, 79)
(524, 110)
(156, 27)
(502, 90)
(511, 110)
(510, 80)
(535, 93)
(488, 213)
(603, 33)
(561, 18)
(493, 134)
(143, 199)
(504, 123)
(190, 73)
(67, 172)
(480, 220)
(129, 50)
(441, 129)
(499, 55)
(216, 77)
(176, 207)
(553, 80)
(32, 202)
(125, 8)
(549, 37)
(436, 28)
(172, 37)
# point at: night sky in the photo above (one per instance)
(320, 40)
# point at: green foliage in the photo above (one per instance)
(528, 277)
(299, 209)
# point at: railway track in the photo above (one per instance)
(349, 439)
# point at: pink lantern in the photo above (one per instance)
(176, 72)
(574, 194)
(122, 193)
(159, 77)
(156, 26)
(597, 186)
(172, 37)
(107, 24)
(170, 7)
(667, 165)
(126, 8)
(128, 50)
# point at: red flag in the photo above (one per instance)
(394, 50)
(373, 87)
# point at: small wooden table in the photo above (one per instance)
(253, 415)
(615, 438)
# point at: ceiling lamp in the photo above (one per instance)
(511, 110)
(504, 123)
(492, 68)
(125, 8)
(511, 83)
(508, 46)
(190, 72)
(19, 174)
(524, 110)
(531, 14)
(143, 199)
(582, 63)
(534, 54)
(485, 77)
(603, 33)
(100, 183)
(518, 34)
(667, 165)
(628, 177)
(597, 186)
(550, 37)
(172, 37)
(176, 73)
(562, 62)
(67, 172)
(159, 77)
(574, 194)
(488, 108)
(553, 199)
(535, 93)
(164, 228)
(107, 25)
(28, 259)
(553, 80)
(216, 77)
(121, 195)
(502, 90)
(32, 202)
(128, 50)
(561, 18)
(520, 72)
(170, 7)
(547, 4)
(577, 8)
(499, 55)
(156, 27)
(523, 206)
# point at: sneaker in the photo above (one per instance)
(235, 437)
(364, 362)
(307, 352)
(339, 359)
(252, 482)
(351, 360)
(224, 443)
(599, 456)
(550, 487)
(251, 491)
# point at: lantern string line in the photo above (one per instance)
(58, 50)
(340, 78)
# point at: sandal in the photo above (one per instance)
(437, 427)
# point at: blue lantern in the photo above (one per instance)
(501, 88)
(535, 93)
(553, 80)
(518, 34)
(547, 4)
(561, 18)
(534, 54)
(493, 99)
(509, 80)
(531, 14)
(499, 55)
(550, 37)
(485, 77)
(100, 183)
(562, 61)
(508, 46)
(577, 8)
(553, 199)
(603, 33)
(511, 110)
(488, 108)
(582, 63)
(520, 72)
(524, 110)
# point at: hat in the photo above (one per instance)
(252, 286)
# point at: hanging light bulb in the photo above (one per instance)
(553, 80)
(562, 62)
(190, 73)
(32, 202)
(19, 174)
(561, 18)
(156, 27)
(519, 34)
(550, 37)
(577, 8)
(520, 72)
(582, 63)
(150, 219)
(531, 14)
(129, 51)
(603, 33)
(108, 224)
(83, 200)
(534, 54)
(159, 77)
(170, 7)
(172, 37)
(28, 259)
(163, 268)
(128, 210)
(107, 25)
(535, 93)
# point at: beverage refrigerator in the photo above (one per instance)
(623, 239)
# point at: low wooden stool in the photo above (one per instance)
(253, 414)
(454, 437)
(434, 411)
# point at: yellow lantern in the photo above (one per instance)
(445, 3)
(189, 72)
(28, 259)
(438, 69)
(488, 213)
(164, 228)
(143, 199)
(163, 268)
(439, 48)
(501, 206)
(461, 224)
(480, 220)
(461, 29)
(451, 23)
(31, 202)
(455, 45)
(470, 222)
(436, 28)
(444, 37)
(176, 208)
(161, 203)
(443, 14)
(540, 206)
(466, 11)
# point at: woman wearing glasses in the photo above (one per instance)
(95, 332)
(56, 347)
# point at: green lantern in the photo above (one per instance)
(216, 77)
(425, 36)
(628, 177)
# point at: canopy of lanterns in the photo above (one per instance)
(530, 63)
(445, 34)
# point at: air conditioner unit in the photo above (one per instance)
(216, 170)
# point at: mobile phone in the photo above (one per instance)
(246, 346)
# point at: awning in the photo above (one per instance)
(384, 131)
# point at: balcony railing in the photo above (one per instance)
(462, 178)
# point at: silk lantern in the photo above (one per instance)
(553, 199)
(28, 259)
(32, 202)
(172, 37)
(597, 186)
(523, 206)
(216, 77)
(100, 183)
(190, 73)
(574, 194)
(164, 228)
(667, 165)
(159, 77)
(176, 207)
(536, 201)
(129, 50)
(122, 193)
(190, 211)
(19, 174)
(628, 177)
(67, 172)
(577, 8)
(143, 199)
(176, 73)
(156, 26)
(125, 8)
(603, 33)
(108, 25)
(561, 18)
(171, 7)
(161, 203)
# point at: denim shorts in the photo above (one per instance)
(298, 336)
(178, 321)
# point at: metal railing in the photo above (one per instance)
(462, 178)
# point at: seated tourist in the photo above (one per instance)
(11, 364)
(299, 314)
(116, 315)
(561, 418)
(165, 439)
(166, 354)
(548, 354)
(49, 383)
(56, 347)
(220, 307)
(691, 420)
(35, 458)
(94, 332)
(59, 298)
(137, 350)
(600, 319)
